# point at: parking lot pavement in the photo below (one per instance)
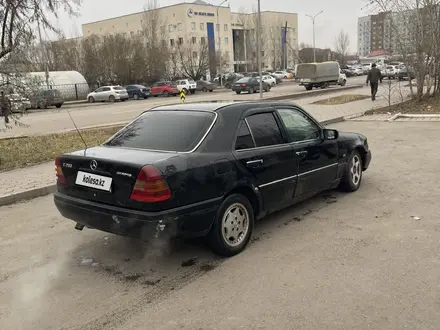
(366, 260)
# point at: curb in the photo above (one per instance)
(26, 195)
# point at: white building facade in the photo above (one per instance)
(230, 34)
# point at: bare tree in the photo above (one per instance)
(192, 59)
(415, 26)
(342, 42)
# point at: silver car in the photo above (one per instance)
(108, 93)
(19, 103)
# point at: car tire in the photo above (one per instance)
(309, 87)
(238, 92)
(343, 82)
(267, 88)
(59, 105)
(185, 91)
(204, 89)
(91, 99)
(112, 98)
(352, 177)
(166, 94)
(211, 90)
(251, 90)
(193, 91)
(273, 84)
(234, 220)
(136, 96)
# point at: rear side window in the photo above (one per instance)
(118, 88)
(164, 130)
(244, 138)
(265, 129)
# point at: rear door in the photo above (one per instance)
(317, 157)
(262, 150)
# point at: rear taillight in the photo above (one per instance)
(243, 85)
(150, 186)
(59, 172)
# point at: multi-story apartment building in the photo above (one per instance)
(227, 33)
(364, 35)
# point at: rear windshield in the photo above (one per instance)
(53, 92)
(164, 130)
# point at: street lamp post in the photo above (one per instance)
(313, 21)
(220, 44)
(258, 49)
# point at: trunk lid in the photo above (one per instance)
(107, 174)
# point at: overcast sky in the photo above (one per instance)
(337, 15)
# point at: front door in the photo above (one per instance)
(317, 157)
(266, 155)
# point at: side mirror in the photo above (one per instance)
(330, 134)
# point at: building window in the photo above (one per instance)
(202, 26)
(226, 41)
(180, 41)
(202, 40)
(226, 27)
(171, 27)
(179, 26)
(194, 40)
(172, 42)
(193, 26)
(217, 27)
(195, 54)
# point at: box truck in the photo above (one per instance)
(319, 75)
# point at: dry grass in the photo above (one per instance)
(342, 99)
(33, 150)
(430, 105)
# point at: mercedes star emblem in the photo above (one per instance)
(93, 164)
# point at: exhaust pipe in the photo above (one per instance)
(79, 226)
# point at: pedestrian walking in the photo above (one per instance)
(373, 77)
(5, 107)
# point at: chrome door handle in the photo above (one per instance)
(301, 153)
(254, 163)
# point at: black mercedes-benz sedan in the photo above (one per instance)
(250, 85)
(206, 169)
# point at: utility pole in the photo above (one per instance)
(314, 46)
(284, 46)
(258, 49)
(220, 44)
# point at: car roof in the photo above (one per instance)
(217, 105)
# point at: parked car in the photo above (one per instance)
(108, 93)
(205, 86)
(46, 98)
(187, 85)
(155, 179)
(281, 74)
(230, 79)
(270, 80)
(342, 78)
(278, 80)
(19, 103)
(164, 88)
(390, 72)
(404, 73)
(250, 85)
(138, 91)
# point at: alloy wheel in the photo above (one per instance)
(235, 224)
(355, 170)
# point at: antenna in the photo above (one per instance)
(79, 133)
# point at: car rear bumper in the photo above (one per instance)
(194, 220)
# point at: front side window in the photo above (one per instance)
(299, 127)
(264, 129)
(151, 131)
(244, 137)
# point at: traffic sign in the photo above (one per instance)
(182, 95)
